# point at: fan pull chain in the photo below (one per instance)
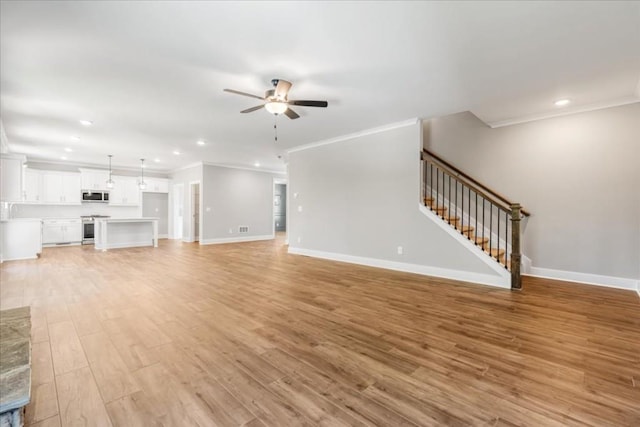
(275, 127)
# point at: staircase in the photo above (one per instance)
(484, 217)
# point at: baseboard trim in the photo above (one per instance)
(586, 278)
(463, 276)
(143, 244)
(236, 239)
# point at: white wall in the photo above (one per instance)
(236, 197)
(359, 201)
(578, 175)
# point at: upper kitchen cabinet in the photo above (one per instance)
(156, 185)
(32, 186)
(125, 191)
(11, 177)
(61, 188)
(94, 179)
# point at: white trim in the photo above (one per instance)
(163, 236)
(140, 244)
(236, 239)
(464, 276)
(247, 168)
(358, 134)
(463, 240)
(564, 112)
(585, 278)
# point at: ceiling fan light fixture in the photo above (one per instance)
(276, 107)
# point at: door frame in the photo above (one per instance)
(175, 206)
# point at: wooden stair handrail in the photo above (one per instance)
(459, 173)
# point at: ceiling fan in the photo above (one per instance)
(277, 101)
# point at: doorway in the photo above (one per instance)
(280, 207)
(178, 208)
(195, 211)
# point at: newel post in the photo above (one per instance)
(516, 282)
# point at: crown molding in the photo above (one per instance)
(80, 165)
(358, 134)
(567, 111)
(254, 169)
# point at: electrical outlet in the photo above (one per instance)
(400, 250)
(295, 195)
(208, 209)
(299, 239)
(299, 208)
(231, 231)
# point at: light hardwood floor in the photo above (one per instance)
(245, 334)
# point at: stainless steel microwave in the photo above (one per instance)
(95, 197)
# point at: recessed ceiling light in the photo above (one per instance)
(63, 158)
(68, 150)
(86, 122)
(562, 102)
(24, 165)
(176, 152)
(256, 164)
(201, 142)
(75, 138)
(156, 160)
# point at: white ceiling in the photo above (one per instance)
(150, 75)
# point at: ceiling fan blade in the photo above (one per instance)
(282, 89)
(291, 114)
(237, 92)
(249, 110)
(309, 103)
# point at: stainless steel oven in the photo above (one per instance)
(88, 228)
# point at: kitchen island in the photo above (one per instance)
(20, 238)
(112, 233)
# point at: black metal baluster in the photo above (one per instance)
(490, 227)
(435, 201)
(462, 211)
(498, 256)
(469, 212)
(449, 191)
(483, 209)
(476, 229)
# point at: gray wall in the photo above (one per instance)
(578, 175)
(233, 198)
(157, 205)
(360, 198)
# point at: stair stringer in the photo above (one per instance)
(504, 277)
(470, 220)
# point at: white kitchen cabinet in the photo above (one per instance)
(11, 177)
(32, 186)
(94, 179)
(61, 231)
(125, 191)
(61, 188)
(156, 185)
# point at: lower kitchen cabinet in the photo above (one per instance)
(61, 231)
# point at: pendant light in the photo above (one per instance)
(142, 185)
(110, 182)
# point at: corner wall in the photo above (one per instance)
(357, 201)
(578, 175)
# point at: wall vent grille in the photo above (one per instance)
(243, 229)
